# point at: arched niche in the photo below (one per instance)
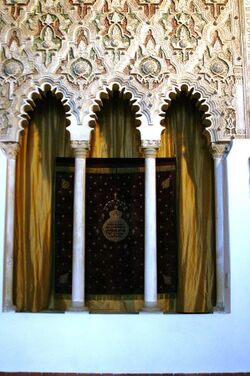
(183, 138)
(218, 148)
(114, 137)
(43, 139)
(200, 200)
(115, 134)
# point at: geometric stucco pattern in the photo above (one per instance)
(150, 49)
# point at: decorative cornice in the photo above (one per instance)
(10, 149)
(219, 150)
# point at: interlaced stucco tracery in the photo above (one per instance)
(148, 48)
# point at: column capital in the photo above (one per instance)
(150, 147)
(10, 149)
(219, 150)
(80, 147)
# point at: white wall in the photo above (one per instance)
(145, 343)
(3, 182)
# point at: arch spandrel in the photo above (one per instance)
(101, 89)
(211, 118)
(24, 102)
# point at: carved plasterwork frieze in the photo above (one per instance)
(83, 63)
(215, 6)
(16, 6)
(83, 7)
(183, 26)
(116, 27)
(154, 46)
(217, 69)
(230, 122)
(2, 22)
(183, 41)
(149, 6)
(4, 124)
(48, 30)
(150, 66)
(48, 41)
(15, 65)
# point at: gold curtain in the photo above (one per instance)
(44, 139)
(183, 138)
(115, 134)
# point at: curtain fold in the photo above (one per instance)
(44, 139)
(115, 134)
(183, 138)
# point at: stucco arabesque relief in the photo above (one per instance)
(152, 49)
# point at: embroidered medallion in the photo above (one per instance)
(115, 228)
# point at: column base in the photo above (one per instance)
(151, 307)
(77, 307)
(9, 308)
(219, 308)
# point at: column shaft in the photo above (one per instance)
(219, 222)
(150, 262)
(219, 152)
(150, 282)
(78, 263)
(11, 150)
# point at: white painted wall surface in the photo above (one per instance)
(3, 182)
(145, 343)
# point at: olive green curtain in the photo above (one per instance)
(41, 142)
(183, 138)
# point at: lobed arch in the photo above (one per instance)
(130, 92)
(80, 129)
(23, 104)
(80, 110)
(204, 102)
(148, 128)
(219, 147)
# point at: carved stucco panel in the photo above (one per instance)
(153, 46)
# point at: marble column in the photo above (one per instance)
(150, 246)
(240, 104)
(219, 152)
(78, 265)
(11, 149)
